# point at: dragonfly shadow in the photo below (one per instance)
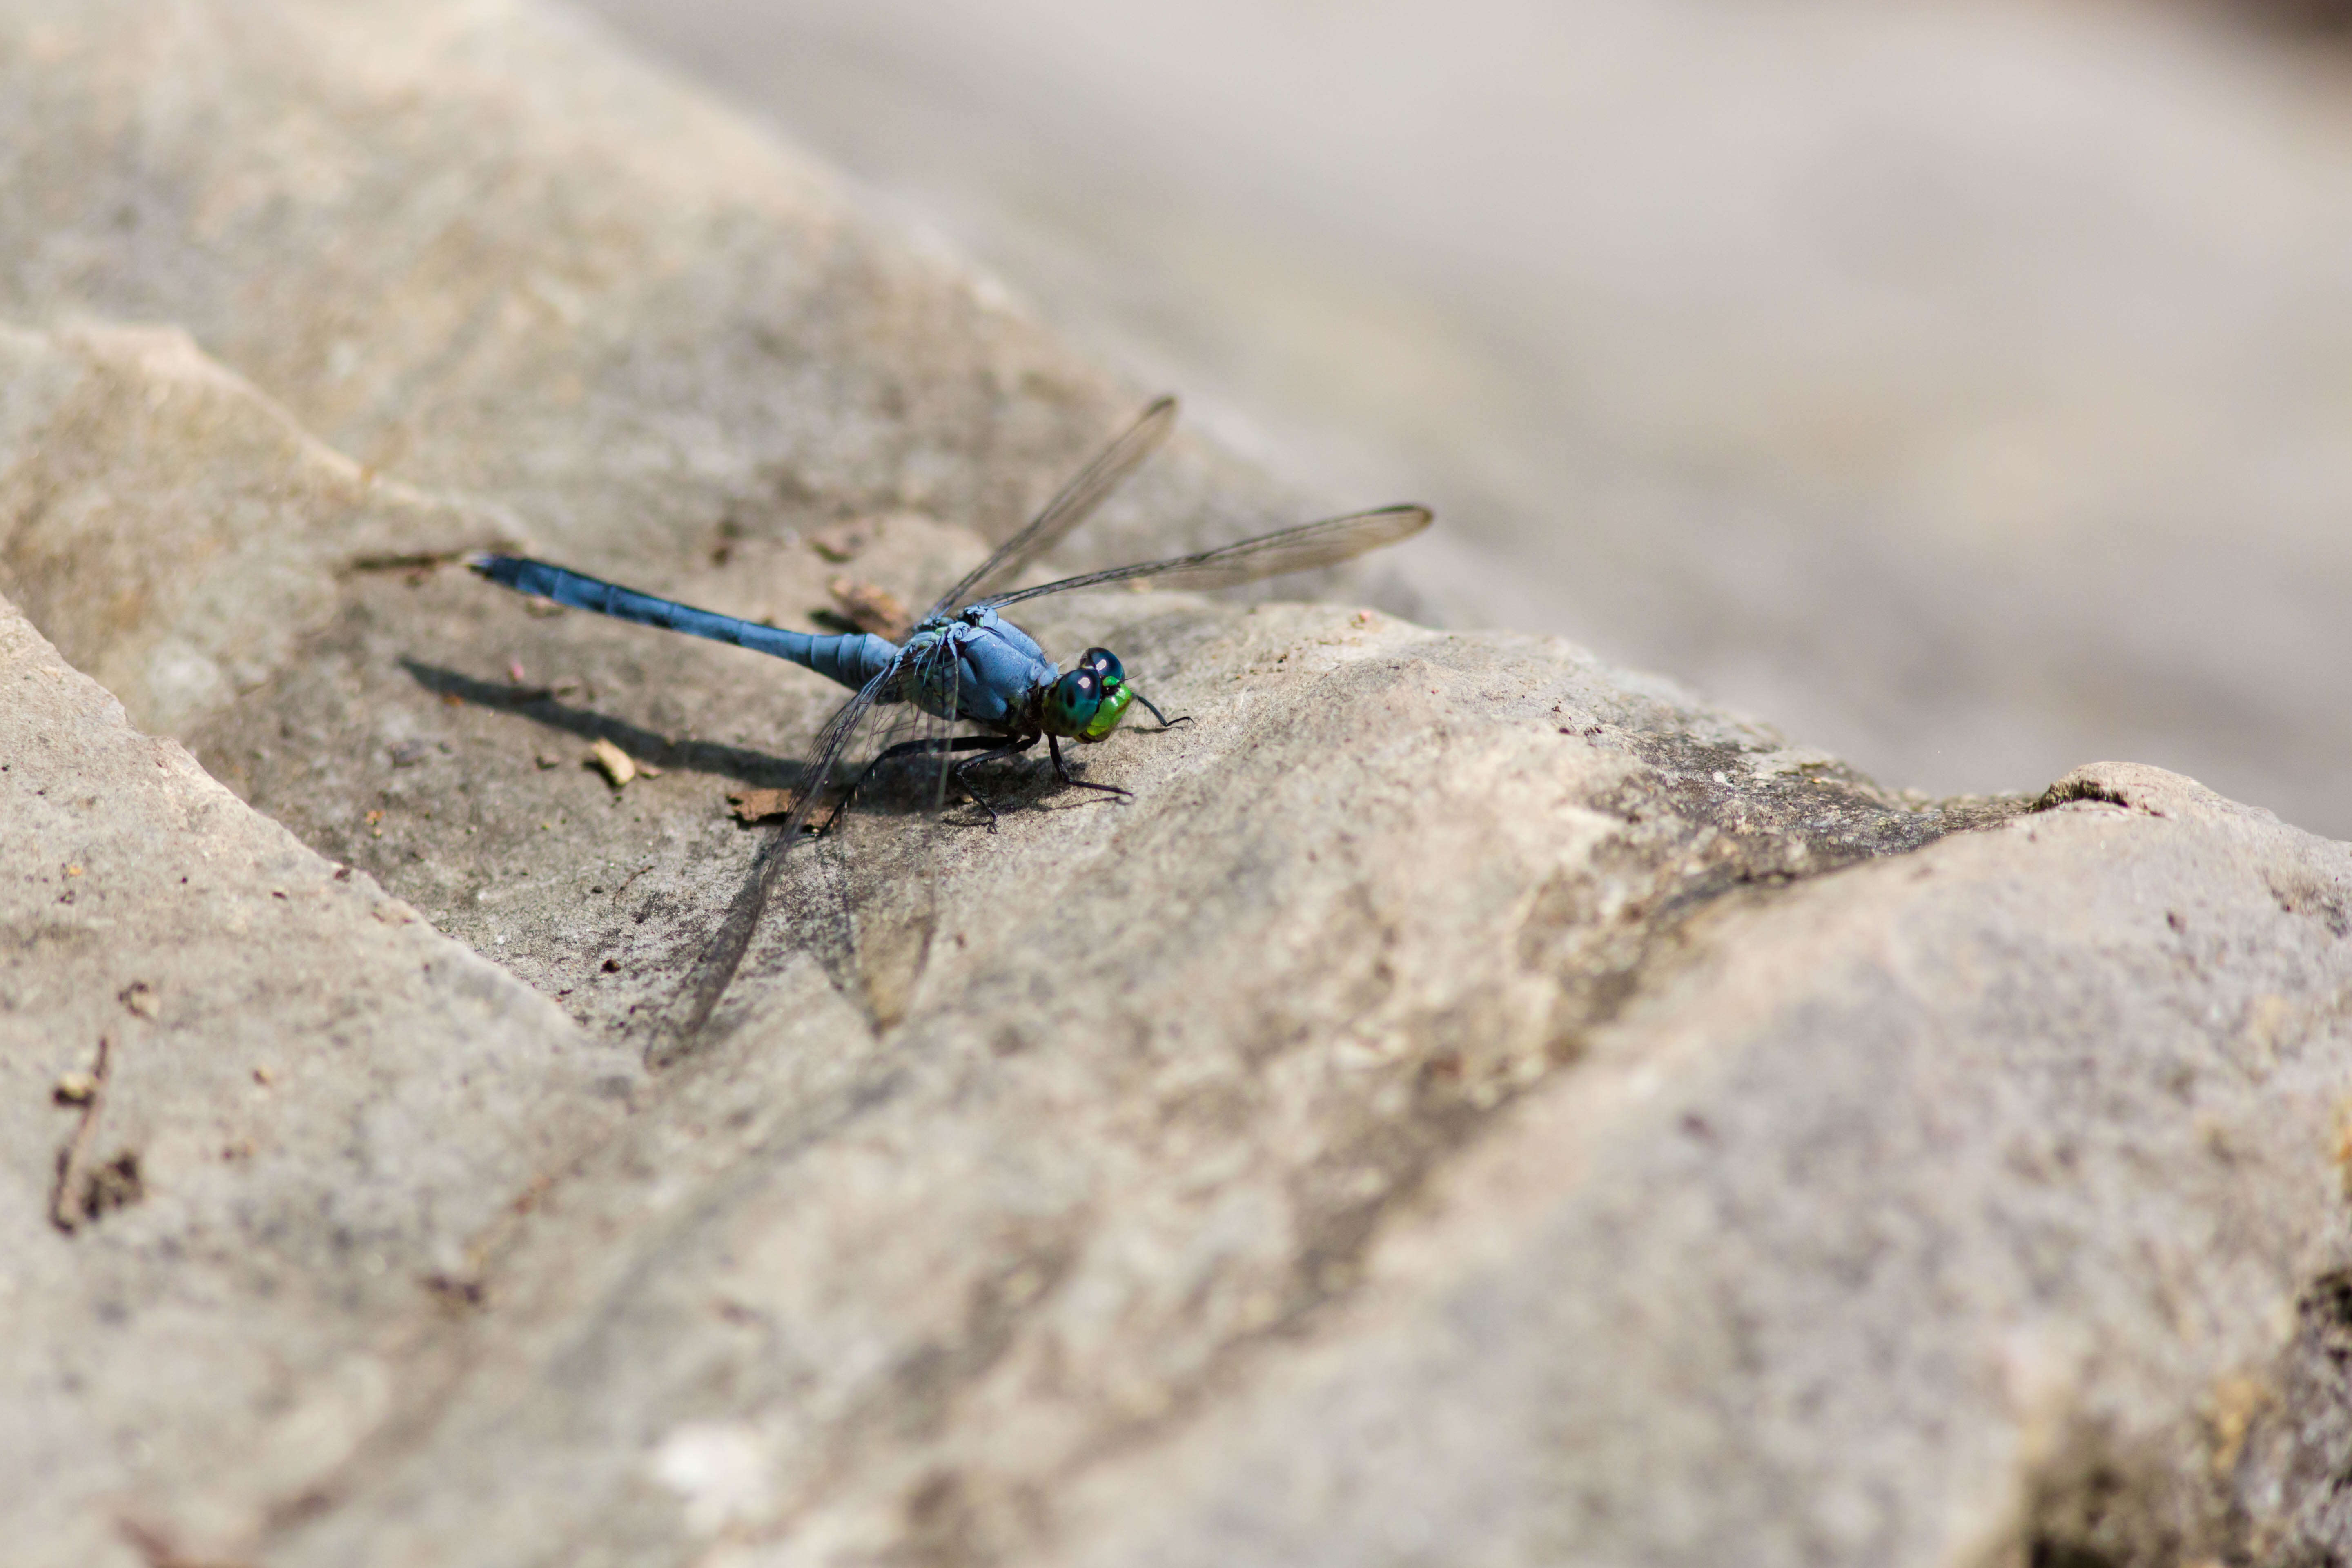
(898, 789)
(541, 706)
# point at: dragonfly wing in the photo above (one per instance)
(1076, 503)
(832, 745)
(1300, 549)
(875, 940)
(722, 955)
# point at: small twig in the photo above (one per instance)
(67, 1210)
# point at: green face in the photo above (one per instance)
(1088, 703)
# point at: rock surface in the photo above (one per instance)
(317, 1109)
(1953, 382)
(1473, 1105)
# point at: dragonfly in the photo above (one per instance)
(963, 662)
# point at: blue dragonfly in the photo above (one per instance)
(963, 661)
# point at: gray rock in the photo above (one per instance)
(1473, 1105)
(1962, 1207)
(179, 533)
(316, 1113)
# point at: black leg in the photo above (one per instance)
(1054, 744)
(992, 748)
(933, 745)
(1166, 723)
(1002, 749)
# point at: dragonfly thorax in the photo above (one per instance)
(976, 667)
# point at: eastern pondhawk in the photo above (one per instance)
(962, 662)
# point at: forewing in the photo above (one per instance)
(1066, 510)
(1300, 549)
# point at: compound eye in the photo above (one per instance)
(1076, 697)
(1106, 667)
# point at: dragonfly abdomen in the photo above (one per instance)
(851, 658)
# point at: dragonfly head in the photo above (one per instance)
(1087, 703)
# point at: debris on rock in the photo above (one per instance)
(458, 1293)
(870, 608)
(79, 1190)
(113, 1184)
(616, 766)
(762, 805)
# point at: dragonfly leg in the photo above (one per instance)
(1166, 723)
(1054, 744)
(1002, 749)
(928, 745)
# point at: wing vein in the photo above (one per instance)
(1300, 549)
(1073, 506)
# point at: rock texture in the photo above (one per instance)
(312, 1110)
(1471, 1105)
(179, 533)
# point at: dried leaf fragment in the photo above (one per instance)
(869, 608)
(762, 805)
(614, 763)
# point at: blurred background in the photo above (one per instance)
(1964, 388)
